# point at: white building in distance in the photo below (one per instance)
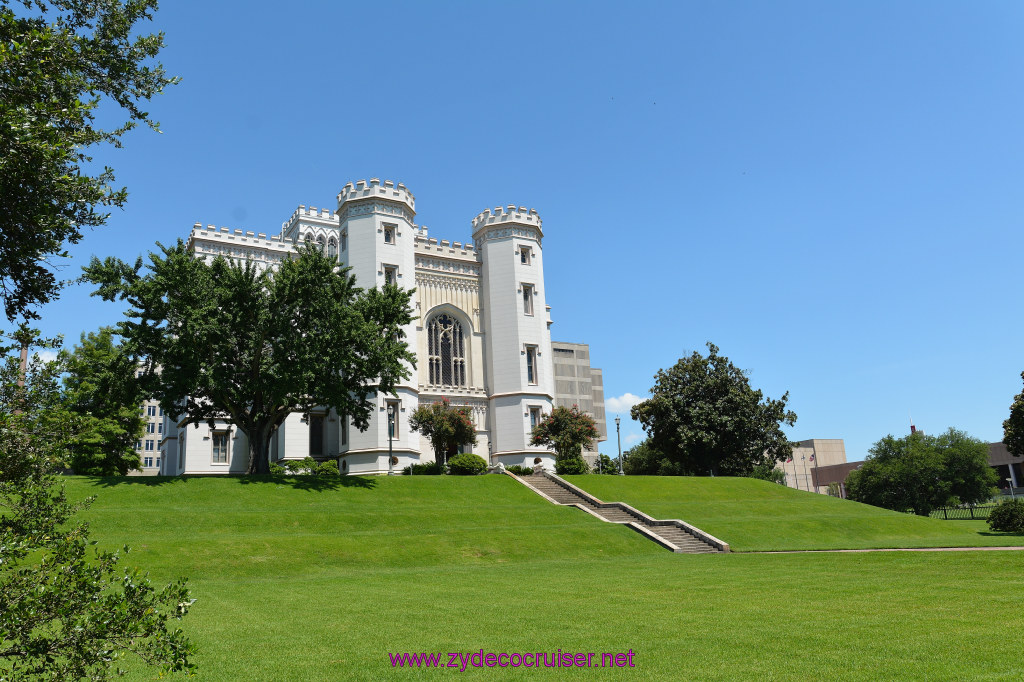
(481, 333)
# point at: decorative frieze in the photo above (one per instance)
(370, 207)
(505, 232)
(457, 267)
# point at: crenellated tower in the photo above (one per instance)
(516, 321)
(377, 235)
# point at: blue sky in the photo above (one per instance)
(830, 192)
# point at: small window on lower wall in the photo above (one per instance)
(220, 447)
(535, 417)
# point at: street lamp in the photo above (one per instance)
(618, 436)
(391, 437)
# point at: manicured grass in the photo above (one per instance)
(754, 515)
(320, 581)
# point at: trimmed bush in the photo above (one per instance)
(276, 468)
(519, 470)
(424, 469)
(567, 466)
(1008, 517)
(466, 464)
(328, 468)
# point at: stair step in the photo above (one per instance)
(687, 543)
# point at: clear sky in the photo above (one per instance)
(829, 191)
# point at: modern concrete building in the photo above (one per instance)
(481, 332)
(1006, 465)
(577, 383)
(809, 455)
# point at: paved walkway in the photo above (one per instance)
(892, 549)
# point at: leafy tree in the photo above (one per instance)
(706, 419)
(445, 426)
(69, 613)
(1013, 427)
(605, 465)
(55, 68)
(246, 345)
(103, 397)
(643, 460)
(920, 473)
(767, 471)
(965, 467)
(569, 431)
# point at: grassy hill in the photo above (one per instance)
(320, 580)
(755, 515)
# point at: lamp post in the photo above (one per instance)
(391, 436)
(618, 436)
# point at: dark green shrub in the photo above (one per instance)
(276, 468)
(1008, 517)
(424, 469)
(519, 470)
(571, 465)
(327, 468)
(466, 464)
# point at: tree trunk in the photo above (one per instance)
(259, 450)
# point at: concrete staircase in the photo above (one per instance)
(672, 534)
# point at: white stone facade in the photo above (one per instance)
(481, 332)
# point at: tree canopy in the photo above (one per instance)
(56, 67)
(103, 397)
(68, 612)
(568, 431)
(920, 473)
(446, 427)
(249, 346)
(1013, 427)
(704, 418)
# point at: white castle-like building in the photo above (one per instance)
(481, 333)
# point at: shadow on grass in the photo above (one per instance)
(310, 483)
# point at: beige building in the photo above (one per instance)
(809, 455)
(148, 447)
(577, 383)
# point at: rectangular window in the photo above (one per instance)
(220, 447)
(528, 299)
(389, 234)
(391, 414)
(160, 427)
(391, 275)
(150, 427)
(147, 461)
(151, 411)
(158, 461)
(344, 240)
(160, 412)
(531, 365)
(524, 255)
(534, 417)
(316, 436)
(344, 429)
(150, 446)
(138, 445)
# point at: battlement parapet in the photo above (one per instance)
(507, 215)
(375, 189)
(218, 239)
(443, 247)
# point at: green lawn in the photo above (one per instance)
(754, 515)
(319, 581)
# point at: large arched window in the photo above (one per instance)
(321, 244)
(446, 351)
(332, 249)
